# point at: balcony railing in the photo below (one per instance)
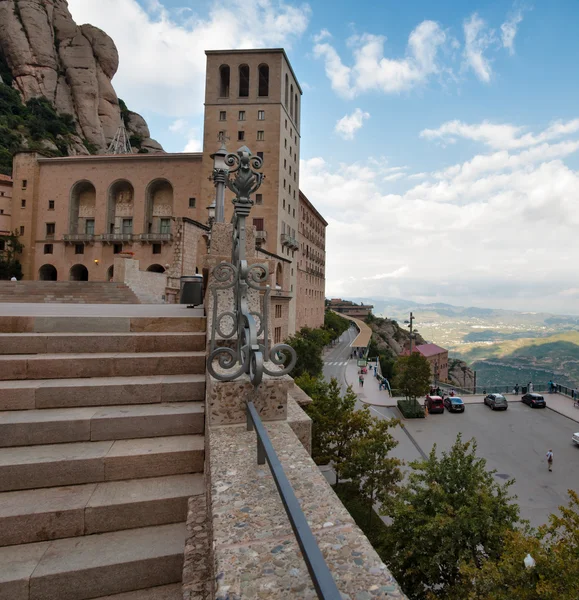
(117, 237)
(260, 235)
(288, 240)
(318, 569)
(73, 238)
(156, 237)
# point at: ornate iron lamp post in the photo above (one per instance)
(220, 177)
(248, 329)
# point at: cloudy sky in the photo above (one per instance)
(439, 139)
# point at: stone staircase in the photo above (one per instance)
(67, 292)
(101, 448)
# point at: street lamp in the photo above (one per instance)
(220, 172)
(410, 322)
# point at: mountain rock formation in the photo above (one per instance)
(44, 53)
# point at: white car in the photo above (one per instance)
(576, 438)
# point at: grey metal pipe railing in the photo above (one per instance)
(319, 572)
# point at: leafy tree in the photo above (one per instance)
(450, 512)
(336, 424)
(9, 264)
(335, 324)
(412, 375)
(371, 469)
(309, 354)
(555, 576)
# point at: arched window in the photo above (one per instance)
(263, 80)
(291, 111)
(224, 73)
(296, 109)
(286, 89)
(243, 81)
(156, 269)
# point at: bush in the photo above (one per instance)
(410, 409)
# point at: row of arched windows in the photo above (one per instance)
(293, 100)
(80, 273)
(244, 80)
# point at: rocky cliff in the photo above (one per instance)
(45, 54)
(389, 336)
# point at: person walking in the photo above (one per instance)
(530, 390)
(550, 459)
(517, 389)
(361, 380)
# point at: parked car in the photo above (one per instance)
(576, 438)
(534, 400)
(454, 404)
(496, 401)
(434, 404)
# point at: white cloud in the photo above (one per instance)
(476, 40)
(195, 144)
(497, 135)
(373, 71)
(348, 125)
(324, 34)
(178, 126)
(509, 30)
(495, 230)
(162, 53)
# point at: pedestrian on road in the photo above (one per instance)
(517, 389)
(550, 459)
(550, 386)
(530, 387)
(361, 380)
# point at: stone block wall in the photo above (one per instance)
(149, 287)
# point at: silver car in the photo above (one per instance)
(496, 401)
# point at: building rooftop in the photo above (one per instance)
(5, 178)
(312, 207)
(429, 349)
(127, 157)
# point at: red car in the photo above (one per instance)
(434, 404)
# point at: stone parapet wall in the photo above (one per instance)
(255, 553)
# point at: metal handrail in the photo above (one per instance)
(318, 569)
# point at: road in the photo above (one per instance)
(514, 442)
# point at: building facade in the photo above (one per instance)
(74, 214)
(253, 98)
(437, 357)
(5, 204)
(311, 265)
(346, 307)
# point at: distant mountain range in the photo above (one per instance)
(504, 346)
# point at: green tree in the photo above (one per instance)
(555, 576)
(371, 469)
(11, 248)
(335, 324)
(450, 513)
(309, 353)
(412, 375)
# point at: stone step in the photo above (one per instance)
(38, 515)
(164, 592)
(57, 343)
(101, 364)
(86, 567)
(54, 465)
(195, 322)
(65, 425)
(100, 391)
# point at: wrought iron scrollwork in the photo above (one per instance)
(247, 331)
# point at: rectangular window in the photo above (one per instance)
(241, 116)
(277, 335)
(259, 198)
(23, 203)
(79, 248)
(156, 248)
(222, 115)
(1, 211)
(284, 163)
(192, 202)
(127, 226)
(286, 123)
(48, 248)
(51, 205)
(21, 229)
(284, 184)
(165, 225)
(260, 154)
(278, 311)
(89, 226)
(260, 136)
(2, 245)
(291, 131)
(24, 184)
(285, 143)
(261, 115)
(240, 136)
(221, 136)
(117, 248)
(258, 224)
(290, 169)
(50, 228)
